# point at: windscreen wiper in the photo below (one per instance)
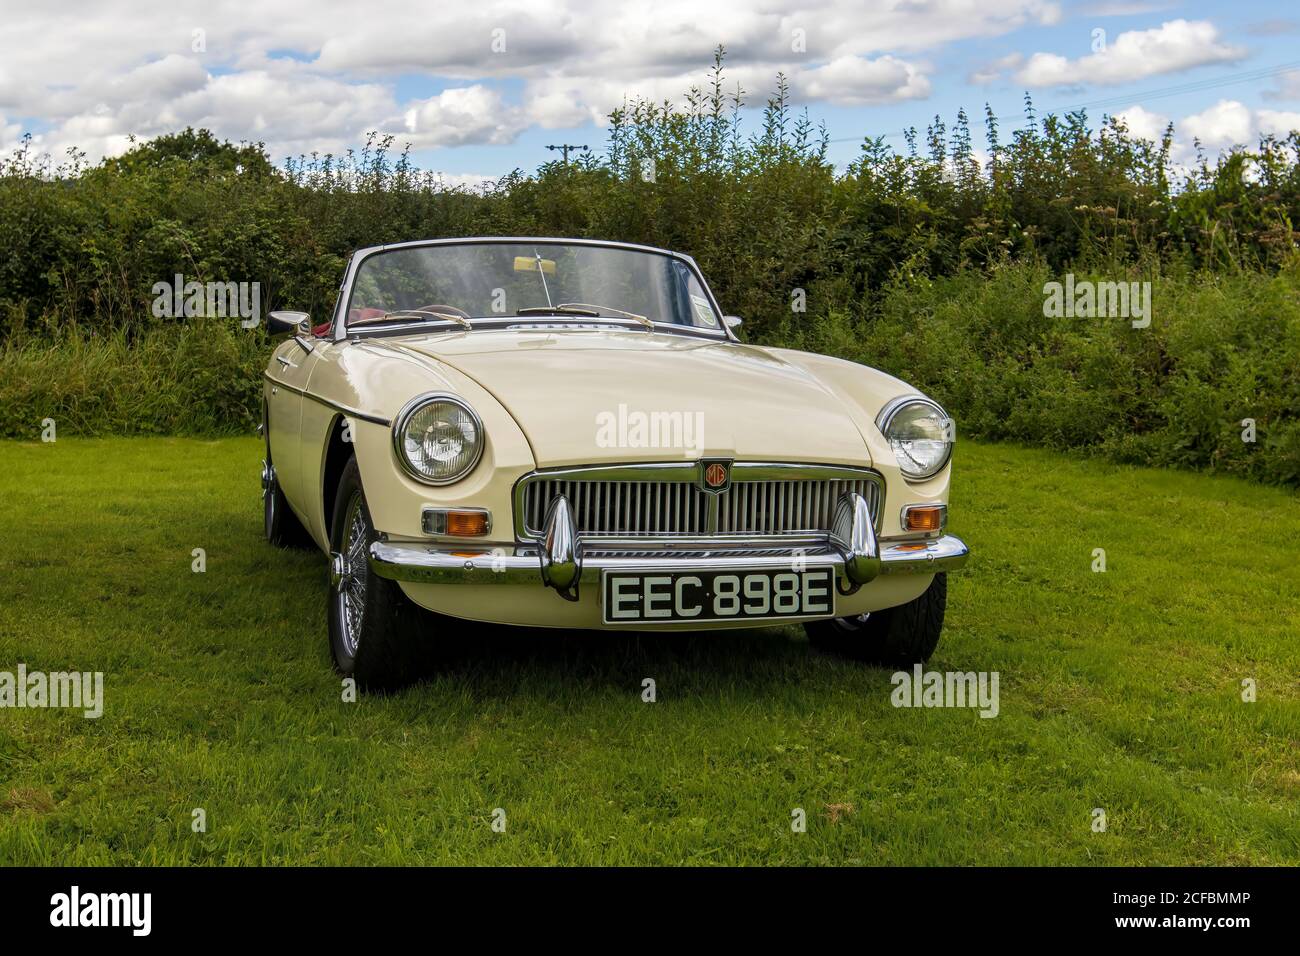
(620, 313)
(399, 313)
(582, 308)
(557, 310)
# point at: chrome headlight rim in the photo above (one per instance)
(403, 419)
(886, 418)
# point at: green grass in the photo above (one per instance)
(1118, 690)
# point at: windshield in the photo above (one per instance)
(535, 281)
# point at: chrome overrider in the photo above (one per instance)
(561, 552)
(561, 560)
(854, 536)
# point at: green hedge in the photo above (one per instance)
(1219, 349)
(919, 261)
(197, 378)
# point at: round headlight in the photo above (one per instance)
(920, 432)
(438, 439)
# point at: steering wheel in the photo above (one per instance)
(445, 309)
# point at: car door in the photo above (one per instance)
(290, 370)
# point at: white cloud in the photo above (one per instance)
(1275, 123)
(1143, 124)
(316, 74)
(169, 77)
(1288, 87)
(295, 112)
(1226, 123)
(472, 114)
(10, 136)
(559, 106)
(1174, 46)
(475, 182)
(852, 81)
(994, 70)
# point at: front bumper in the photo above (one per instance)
(561, 560)
(425, 564)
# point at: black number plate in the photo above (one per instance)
(653, 597)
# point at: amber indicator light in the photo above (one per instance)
(925, 518)
(467, 524)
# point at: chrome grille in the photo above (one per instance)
(786, 507)
(653, 508)
(621, 507)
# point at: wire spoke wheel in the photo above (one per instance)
(268, 496)
(354, 574)
(377, 634)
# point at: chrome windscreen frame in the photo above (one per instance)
(339, 327)
(688, 472)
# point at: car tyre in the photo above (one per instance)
(897, 636)
(374, 628)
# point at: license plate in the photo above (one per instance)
(654, 597)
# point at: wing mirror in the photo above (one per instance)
(280, 323)
(732, 321)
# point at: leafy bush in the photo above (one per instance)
(920, 261)
(764, 214)
(192, 378)
(1220, 349)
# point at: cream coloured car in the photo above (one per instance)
(569, 433)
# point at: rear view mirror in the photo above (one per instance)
(732, 321)
(529, 264)
(281, 322)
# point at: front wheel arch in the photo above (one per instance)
(338, 452)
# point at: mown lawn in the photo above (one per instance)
(1119, 690)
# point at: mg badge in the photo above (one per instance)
(715, 474)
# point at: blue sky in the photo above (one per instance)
(480, 90)
(1269, 34)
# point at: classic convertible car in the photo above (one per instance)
(569, 433)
